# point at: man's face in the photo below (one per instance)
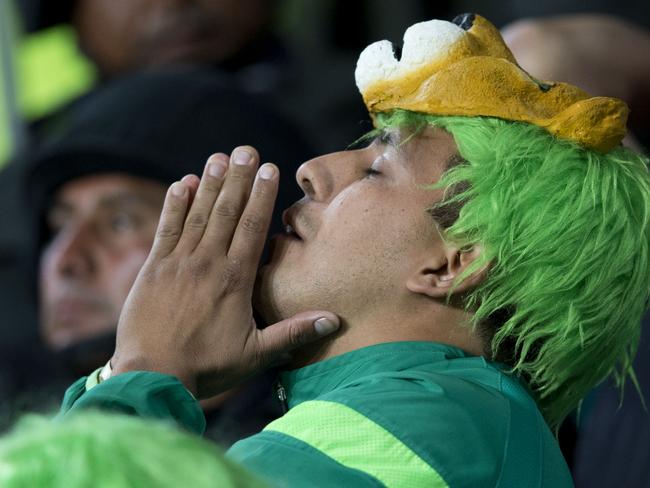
(123, 35)
(102, 229)
(362, 229)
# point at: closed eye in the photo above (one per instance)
(371, 171)
(387, 137)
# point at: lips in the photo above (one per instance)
(290, 227)
(290, 231)
(72, 308)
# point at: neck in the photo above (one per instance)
(449, 327)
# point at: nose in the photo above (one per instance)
(71, 253)
(322, 178)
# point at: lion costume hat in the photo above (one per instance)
(464, 68)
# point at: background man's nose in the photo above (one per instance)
(73, 251)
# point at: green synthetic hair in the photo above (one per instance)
(110, 450)
(565, 232)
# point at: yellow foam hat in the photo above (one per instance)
(464, 68)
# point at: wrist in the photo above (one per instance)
(105, 373)
(125, 365)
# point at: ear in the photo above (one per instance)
(437, 276)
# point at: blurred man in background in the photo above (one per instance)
(235, 40)
(122, 36)
(599, 53)
(97, 192)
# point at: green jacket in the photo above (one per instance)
(398, 414)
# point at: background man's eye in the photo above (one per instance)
(122, 222)
(53, 228)
(371, 172)
(54, 224)
(51, 233)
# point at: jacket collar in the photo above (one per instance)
(320, 378)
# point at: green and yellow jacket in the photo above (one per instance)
(404, 414)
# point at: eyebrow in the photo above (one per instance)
(113, 201)
(130, 198)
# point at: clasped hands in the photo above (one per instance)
(189, 312)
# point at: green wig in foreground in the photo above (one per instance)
(566, 232)
(100, 450)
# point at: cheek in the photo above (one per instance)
(383, 236)
(47, 275)
(369, 224)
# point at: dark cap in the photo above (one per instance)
(162, 125)
(41, 14)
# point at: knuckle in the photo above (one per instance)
(232, 277)
(152, 273)
(252, 224)
(196, 221)
(199, 266)
(297, 335)
(227, 210)
(168, 231)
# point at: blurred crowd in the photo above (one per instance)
(104, 103)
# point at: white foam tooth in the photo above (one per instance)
(424, 43)
(428, 42)
(376, 62)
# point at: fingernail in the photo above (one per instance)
(325, 326)
(219, 157)
(266, 172)
(242, 157)
(216, 169)
(178, 189)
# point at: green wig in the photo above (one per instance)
(566, 233)
(109, 450)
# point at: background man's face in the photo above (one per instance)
(101, 229)
(360, 234)
(122, 35)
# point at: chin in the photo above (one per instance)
(263, 301)
(274, 296)
(61, 331)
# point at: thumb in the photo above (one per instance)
(294, 332)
